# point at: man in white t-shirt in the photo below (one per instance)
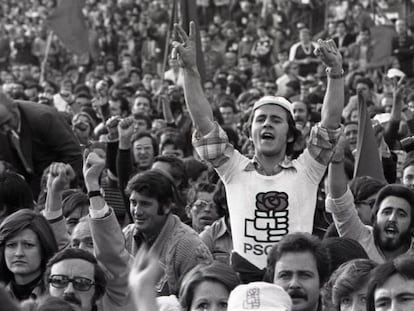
(271, 195)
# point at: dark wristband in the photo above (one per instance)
(96, 193)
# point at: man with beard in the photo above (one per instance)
(299, 263)
(390, 234)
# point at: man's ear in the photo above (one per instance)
(166, 208)
(290, 137)
(188, 211)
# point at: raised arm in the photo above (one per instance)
(59, 178)
(108, 240)
(198, 106)
(333, 102)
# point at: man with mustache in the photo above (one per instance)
(390, 234)
(299, 263)
(74, 275)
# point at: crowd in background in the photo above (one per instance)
(86, 140)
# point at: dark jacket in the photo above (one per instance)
(45, 137)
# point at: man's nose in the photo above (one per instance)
(69, 288)
(393, 216)
(294, 282)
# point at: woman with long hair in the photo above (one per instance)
(27, 243)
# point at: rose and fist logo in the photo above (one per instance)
(271, 221)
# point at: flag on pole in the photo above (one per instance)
(188, 11)
(367, 158)
(68, 23)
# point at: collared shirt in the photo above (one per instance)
(216, 148)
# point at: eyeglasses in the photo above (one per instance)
(366, 202)
(79, 283)
(201, 204)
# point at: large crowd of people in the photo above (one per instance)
(137, 177)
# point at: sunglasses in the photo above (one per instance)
(79, 283)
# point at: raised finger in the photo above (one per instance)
(192, 34)
(181, 33)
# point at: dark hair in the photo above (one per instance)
(292, 131)
(403, 266)
(124, 104)
(220, 199)
(399, 191)
(141, 116)
(364, 186)
(142, 134)
(194, 168)
(16, 223)
(153, 184)
(342, 249)
(349, 278)
(299, 242)
(366, 81)
(15, 194)
(194, 191)
(177, 170)
(228, 104)
(77, 253)
(73, 199)
(175, 140)
(214, 272)
(343, 22)
(408, 162)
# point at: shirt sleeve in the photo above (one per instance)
(322, 143)
(346, 217)
(213, 147)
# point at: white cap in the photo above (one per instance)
(274, 100)
(259, 296)
(394, 72)
(168, 303)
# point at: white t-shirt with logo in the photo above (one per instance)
(263, 209)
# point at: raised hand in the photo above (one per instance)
(126, 127)
(93, 166)
(112, 126)
(59, 177)
(185, 50)
(144, 274)
(328, 53)
(125, 132)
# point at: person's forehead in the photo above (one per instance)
(394, 286)
(138, 196)
(206, 196)
(296, 261)
(395, 202)
(271, 109)
(409, 170)
(143, 141)
(299, 105)
(74, 267)
(351, 127)
(26, 234)
(141, 100)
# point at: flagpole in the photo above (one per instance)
(167, 39)
(46, 56)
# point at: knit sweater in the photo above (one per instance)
(178, 247)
